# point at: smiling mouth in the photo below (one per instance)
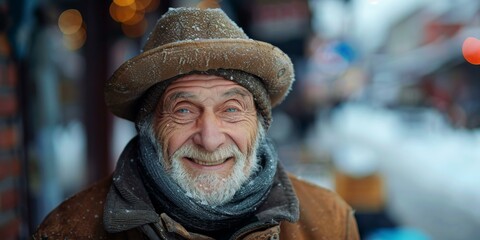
(209, 162)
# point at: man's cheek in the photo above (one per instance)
(251, 135)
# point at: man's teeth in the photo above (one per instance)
(209, 163)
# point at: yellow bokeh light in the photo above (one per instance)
(122, 14)
(142, 4)
(123, 3)
(131, 15)
(113, 11)
(70, 21)
(76, 40)
(139, 16)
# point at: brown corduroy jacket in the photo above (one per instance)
(323, 215)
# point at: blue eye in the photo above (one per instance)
(231, 110)
(183, 110)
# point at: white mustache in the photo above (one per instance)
(203, 157)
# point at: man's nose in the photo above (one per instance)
(210, 135)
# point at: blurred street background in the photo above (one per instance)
(385, 109)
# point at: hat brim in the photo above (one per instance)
(131, 80)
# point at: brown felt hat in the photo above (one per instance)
(187, 40)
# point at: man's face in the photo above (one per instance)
(207, 127)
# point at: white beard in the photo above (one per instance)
(212, 188)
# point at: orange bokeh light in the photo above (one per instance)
(137, 17)
(122, 13)
(471, 50)
(123, 3)
(131, 15)
(142, 4)
(70, 21)
(76, 40)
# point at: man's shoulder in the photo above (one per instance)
(323, 214)
(79, 216)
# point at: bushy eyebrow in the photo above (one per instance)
(236, 91)
(181, 94)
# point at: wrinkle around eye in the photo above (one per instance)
(236, 105)
(238, 116)
(178, 118)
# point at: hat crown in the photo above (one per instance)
(188, 24)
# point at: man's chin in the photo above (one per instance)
(212, 193)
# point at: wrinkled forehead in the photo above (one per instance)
(206, 86)
(195, 81)
(200, 77)
(201, 80)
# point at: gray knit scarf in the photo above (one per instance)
(170, 198)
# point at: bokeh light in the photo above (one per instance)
(70, 21)
(471, 50)
(76, 40)
(122, 13)
(123, 3)
(71, 24)
(143, 4)
(137, 17)
(131, 15)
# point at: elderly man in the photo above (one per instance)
(201, 167)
